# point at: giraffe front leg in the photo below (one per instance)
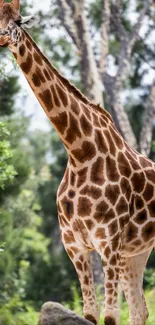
(109, 253)
(82, 263)
(111, 276)
(131, 275)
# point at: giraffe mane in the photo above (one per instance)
(75, 91)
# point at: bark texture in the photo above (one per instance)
(53, 313)
(94, 74)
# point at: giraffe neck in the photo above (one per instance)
(71, 113)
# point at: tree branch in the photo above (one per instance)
(146, 132)
(117, 20)
(67, 21)
(135, 34)
(127, 43)
(105, 34)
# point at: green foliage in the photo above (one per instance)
(16, 312)
(7, 171)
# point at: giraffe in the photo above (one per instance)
(106, 200)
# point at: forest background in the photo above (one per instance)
(113, 44)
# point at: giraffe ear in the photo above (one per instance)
(29, 21)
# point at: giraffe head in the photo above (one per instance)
(11, 20)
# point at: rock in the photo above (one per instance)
(53, 313)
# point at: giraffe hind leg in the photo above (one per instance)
(131, 276)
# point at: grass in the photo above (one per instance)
(76, 305)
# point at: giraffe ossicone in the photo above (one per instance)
(106, 200)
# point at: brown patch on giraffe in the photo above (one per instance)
(139, 203)
(89, 224)
(107, 252)
(71, 194)
(151, 207)
(96, 122)
(85, 266)
(113, 228)
(101, 210)
(116, 137)
(36, 80)
(38, 58)
(111, 169)
(138, 182)
(123, 165)
(112, 193)
(91, 318)
(78, 266)
(69, 237)
(148, 231)
(72, 178)
(109, 321)
(97, 171)
(141, 217)
(111, 145)
(87, 152)
(125, 188)
(103, 244)
(55, 96)
(150, 174)
(70, 253)
(46, 98)
(81, 258)
(82, 176)
(74, 105)
(73, 131)
(108, 285)
(40, 75)
(84, 207)
(63, 95)
(145, 163)
(85, 125)
(28, 45)
(122, 206)
(131, 232)
(22, 49)
(86, 280)
(92, 191)
(47, 75)
(148, 192)
(100, 141)
(100, 233)
(113, 260)
(74, 249)
(60, 122)
(68, 207)
(27, 65)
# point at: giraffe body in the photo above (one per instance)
(106, 200)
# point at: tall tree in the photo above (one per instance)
(104, 35)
